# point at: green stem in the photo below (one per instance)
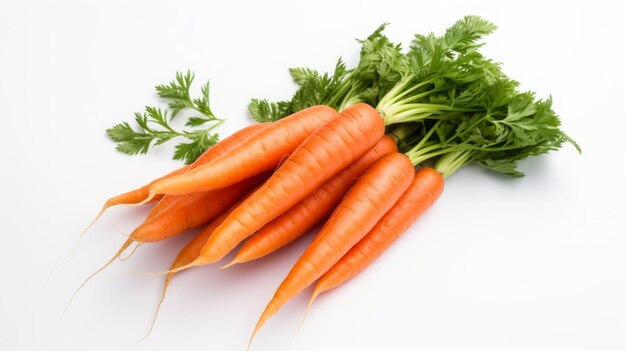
(341, 93)
(392, 97)
(453, 161)
(422, 142)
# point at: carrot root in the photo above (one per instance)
(156, 313)
(80, 238)
(131, 253)
(117, 254)
(171, 271)
(231, 263)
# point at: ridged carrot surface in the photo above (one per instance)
(366, 202)
(425, 189)
(324, 154)
(260, 153)
(313, 209)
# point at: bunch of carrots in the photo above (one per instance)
(364, 151)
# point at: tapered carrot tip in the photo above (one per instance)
(171, 271)
(306, 312)
(269, 311)
(104, 208)
(149, 198)
(131, 253)
(156, 313)
(256, 329)
(318, 290)
(117, 254)
(231, 263)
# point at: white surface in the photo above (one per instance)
(498, 264)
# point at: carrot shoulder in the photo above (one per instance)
(325, 153)
(366, 202)
(312, 210)
(260, 153)
(425, 189)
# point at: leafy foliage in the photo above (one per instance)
(155, 129)
(450, 103)
(314, 89)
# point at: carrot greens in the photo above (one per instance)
(451, 104)
(154, 123)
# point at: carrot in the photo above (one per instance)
(366, 202)
(184, 213)
(313, 209)
(141, 193)
(326, 152)
(425, 189)
(262, 152)
(192, 210)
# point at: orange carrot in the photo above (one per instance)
(425, 189)
(192, 210)
(184, 213)
(313, 209)
(260, 153)
(140, 194)
(325, 153)
(366, 202)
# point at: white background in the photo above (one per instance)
(498, 264)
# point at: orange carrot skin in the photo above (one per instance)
(192, 250)
(366, 202)
(313, 209)
(192, 211)
(163, 203)
(228, 144)
(324, 154)
(260, 153)
(139, 194)
(425, 189)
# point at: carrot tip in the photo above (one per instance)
(149, 198)
(171, 271)
(117, 229)
(231, 263)
(256, 329)
(104, 208)
(132, 252)
(316, 292)
(156, 313)
(117, 254)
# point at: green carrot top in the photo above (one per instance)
(448, 102)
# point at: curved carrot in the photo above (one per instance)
(313, 209)
(325, 153)
(262, 152)
(192, 210)
(425, 189)
(140, 194)
(366, 202)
